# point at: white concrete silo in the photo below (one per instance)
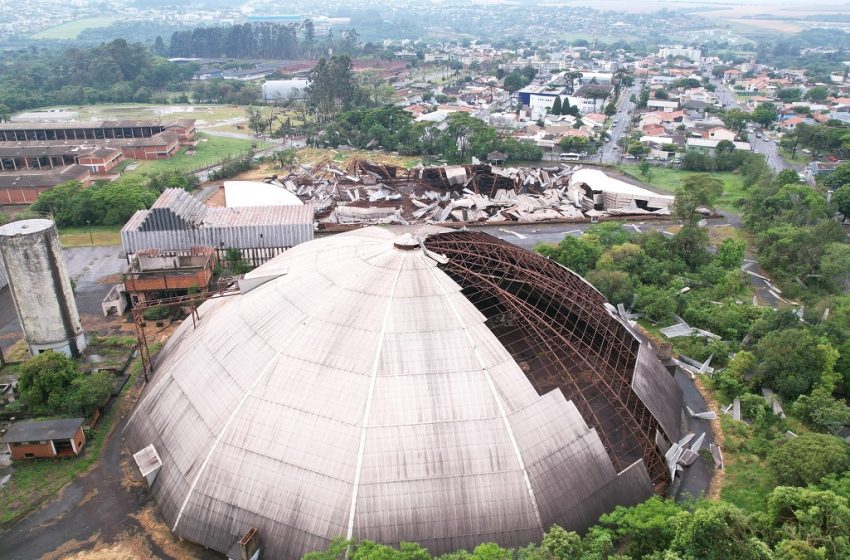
(41, 288)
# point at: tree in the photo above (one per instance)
(89, 391)
(807, 458)
(561, 543)
(815, 522)
(822, 412)
(789, 95)
(645, 528)
(717, 531)
(841, 200)
(817, 93)
(697, 191)
(579, 254)
(725, 147)
(573, 143)
(610, 110)
(638, 149)
(835, 265)
(736, 119)
(332, 88)
(615, 285)
(556, 106)
(793, 362)
(46, 381)
(645, 170)
(765, 114)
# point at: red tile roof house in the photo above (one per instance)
(45, 439)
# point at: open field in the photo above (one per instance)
(209, 151)
(669, 179)
(87, 237)
(342, 157)
(71, 29)
(205, 115)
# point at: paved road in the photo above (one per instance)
(610, 152)
(693, 481)
(758, 140)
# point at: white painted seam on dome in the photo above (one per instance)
(286, 345)
(498, 400)
(221, 433)
(373, 377)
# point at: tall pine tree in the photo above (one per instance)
(556, 107)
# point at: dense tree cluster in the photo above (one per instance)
(260, 40)
(459, 138)
(117, 72)
(106, 202)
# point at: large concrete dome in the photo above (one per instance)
(449, 393)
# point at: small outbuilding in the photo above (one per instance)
(496, 158)
(45, 439)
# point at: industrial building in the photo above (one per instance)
(23, 187)
(177, 221)
(155, 274)
(41, 287)
(598, 191)
(92, 131)
(34, 157)
(403, 384)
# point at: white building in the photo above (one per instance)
(280, 90)
(690, 53)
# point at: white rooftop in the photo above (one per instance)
(238, 194)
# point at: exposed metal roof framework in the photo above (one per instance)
(549, 319)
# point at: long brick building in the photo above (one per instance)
(37, 156)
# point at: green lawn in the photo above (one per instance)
(747, 481)
(71, 29)
(210, 150)
(668, 179)
(90, 236)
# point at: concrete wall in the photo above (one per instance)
(41, 288)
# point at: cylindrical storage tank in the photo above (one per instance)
(40, 287)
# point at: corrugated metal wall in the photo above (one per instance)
(4, 281)
(245, 238)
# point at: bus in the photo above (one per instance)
(569, 156)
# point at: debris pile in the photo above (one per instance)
(374, 193)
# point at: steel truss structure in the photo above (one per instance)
(557, 329)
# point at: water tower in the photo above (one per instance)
(40, 287)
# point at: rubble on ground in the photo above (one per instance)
(372, 193)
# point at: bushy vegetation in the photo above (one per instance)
(107, 202)
(457, 140)
(51, 384)
(115, 72)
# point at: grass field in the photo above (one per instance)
(71, 29)
(342, 157)
(669, 179)
(205, 115)
(87, 237)
(747, 480)
(210, 150)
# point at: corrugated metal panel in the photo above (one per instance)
(4, 280)
(658, 391)
(260, 414)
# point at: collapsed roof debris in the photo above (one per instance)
(376, 193)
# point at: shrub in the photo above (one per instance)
(808, 458)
